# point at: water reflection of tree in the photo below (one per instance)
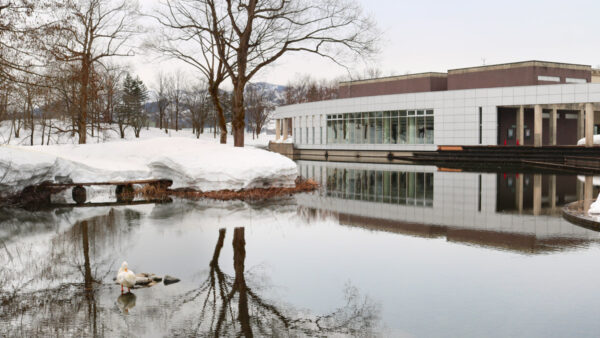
(253, 315)
(69, 277)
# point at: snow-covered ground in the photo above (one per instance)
(582, 141)
(191, 163)
(110, 134)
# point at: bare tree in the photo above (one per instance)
(175, 83)
(258, 108)
(264, 31)
(306, 89)
(90, 31)
(19, 23)
(197, 102)
(161, 99)
(189, 40)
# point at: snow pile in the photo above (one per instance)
(595, 180)
(217, 167)
(281, 140)
(595, 207)
(582, 141)
(190, 163)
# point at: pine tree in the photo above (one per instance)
(132, 110)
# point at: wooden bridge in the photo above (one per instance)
(40, 195)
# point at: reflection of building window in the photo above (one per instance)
(405, 188)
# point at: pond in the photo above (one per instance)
(380, 250)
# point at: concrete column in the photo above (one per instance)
(580, 124)
(537, 125)
(520, 124)
(537, 194)
(588, 193)
(552, 129)
(285, 129)
(552, 191)
(519, 193)
(589, 125)
(579, 190)
(277, 129)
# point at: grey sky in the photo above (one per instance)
(429, 35)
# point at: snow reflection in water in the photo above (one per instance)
(58, 280)
(396, 258)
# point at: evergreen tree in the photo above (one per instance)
(132, 110)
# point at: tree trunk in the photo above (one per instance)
(83, 100)
(160, 118)
(238, 115)
(239, 257)
(218, 247)
(177, 117)
(214, 94)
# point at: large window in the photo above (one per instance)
(387, 127)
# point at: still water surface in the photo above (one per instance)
(380, 250)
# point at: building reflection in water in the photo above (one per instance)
(384, 186)
(513, 211)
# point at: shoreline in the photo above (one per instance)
(38, 197)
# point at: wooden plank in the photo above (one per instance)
(450, 148)
(450, 170)
(110, 204)
(66, 185)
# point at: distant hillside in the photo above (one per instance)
(275, 93)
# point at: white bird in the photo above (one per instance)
(125, 277)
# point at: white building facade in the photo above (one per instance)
(424, 121)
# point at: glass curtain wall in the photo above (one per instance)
(387, 127)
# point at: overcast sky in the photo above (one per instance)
(426, 35)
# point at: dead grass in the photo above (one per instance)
(162, 193)
(151, 191)
(255, 194)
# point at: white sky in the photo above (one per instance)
(428, 35)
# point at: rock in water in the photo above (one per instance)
(157, 279)
(170, 280)
(142, 280)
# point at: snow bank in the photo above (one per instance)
(595, 181)
(190, 163)
(582, 141)
(595, 207)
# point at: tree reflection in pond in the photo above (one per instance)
(63, 286)
(254, 315)
(54, 292)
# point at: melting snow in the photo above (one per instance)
(189, 162)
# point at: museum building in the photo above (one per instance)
(530, 103)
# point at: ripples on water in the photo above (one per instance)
(381, 250)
